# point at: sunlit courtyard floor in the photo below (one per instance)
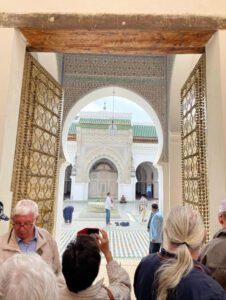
(128, 244)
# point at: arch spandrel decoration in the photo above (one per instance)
(194, 151)
(95, 156)
(38, 137)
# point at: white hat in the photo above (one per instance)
(222, 206)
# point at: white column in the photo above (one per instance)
(163, 175)
(216, 123)
(58, 209)
(175, 180)
(11, 74)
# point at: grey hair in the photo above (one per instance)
(28, 277)
(25, 207)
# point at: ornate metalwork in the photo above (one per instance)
(38, 138)
(194, 152)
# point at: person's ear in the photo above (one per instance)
(220, 219)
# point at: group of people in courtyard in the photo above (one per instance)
(31, 269)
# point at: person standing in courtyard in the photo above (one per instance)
(143, 203)
(214, 255)
(108, 207)
(155, 232)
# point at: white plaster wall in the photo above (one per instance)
(203, 7)
(79, 191)
(58, 209)
(128, 190)
(49, 62)
(175, 179)
(11, 74)
(216, 123)
(144, 152)
(71, 150)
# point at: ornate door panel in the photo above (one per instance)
(38, 137)
(194, 151)
(102, 180)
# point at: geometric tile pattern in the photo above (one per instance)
(124, 243)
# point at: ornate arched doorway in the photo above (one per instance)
(103, 178)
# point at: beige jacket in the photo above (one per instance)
(119, 285)
(46, 248)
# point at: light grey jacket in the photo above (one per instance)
(46, 248)
(119, 285)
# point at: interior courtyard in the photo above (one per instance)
(169, 59)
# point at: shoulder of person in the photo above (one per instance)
(45, 233)
(220, 233)
(5, 236)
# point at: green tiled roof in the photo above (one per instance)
(139, 131)
(72, 129)
(144, 131)
(104, 121)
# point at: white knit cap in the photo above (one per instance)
(222, 206)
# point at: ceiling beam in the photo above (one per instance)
(116, 42)
(111, 21)
(115, 34)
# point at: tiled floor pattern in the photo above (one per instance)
(124, 243)
(128, 244)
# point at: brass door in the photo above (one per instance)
(38, 138)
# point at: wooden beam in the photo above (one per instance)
(116, 42)
(111, 21)
(115, 34)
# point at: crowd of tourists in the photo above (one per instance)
(31, 269)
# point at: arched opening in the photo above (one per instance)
(105, 92)
(67, 182)
(103, 178)
(147, 181)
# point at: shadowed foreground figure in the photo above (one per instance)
(27, 277)
(81, 262)
(174, 273)
(214, 253)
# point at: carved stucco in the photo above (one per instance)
(93, 145)
(144, 75)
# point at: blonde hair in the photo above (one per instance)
(185, 230)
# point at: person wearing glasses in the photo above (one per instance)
(26, 237)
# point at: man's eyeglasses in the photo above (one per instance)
(26, 225)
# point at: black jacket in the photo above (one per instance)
(197, 285)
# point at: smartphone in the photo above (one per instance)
(88, 230)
